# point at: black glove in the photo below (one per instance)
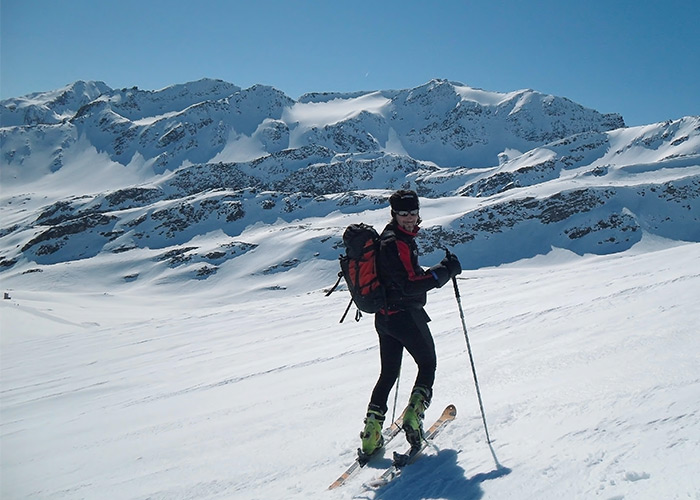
(440, 273)
(451, 262)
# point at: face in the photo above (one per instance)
(407, 220)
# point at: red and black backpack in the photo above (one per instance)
(358, 266)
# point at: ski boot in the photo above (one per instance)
(414, 413)
(372, 438)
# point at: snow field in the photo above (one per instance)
(588, 368)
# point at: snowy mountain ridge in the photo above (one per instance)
(145, 174)
(440, 121)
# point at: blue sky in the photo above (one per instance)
(637, 58)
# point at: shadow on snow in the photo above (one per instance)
(438, 476)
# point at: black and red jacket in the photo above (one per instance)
(406, 282)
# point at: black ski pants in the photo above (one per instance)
(403, 329)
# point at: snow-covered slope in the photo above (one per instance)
(164, 255)
(588, 368)
(49, 107)
(592, 192)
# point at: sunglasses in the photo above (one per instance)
(406, 213)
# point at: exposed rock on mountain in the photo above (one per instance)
(503, 176)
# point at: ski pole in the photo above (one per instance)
(469, 350)
(396, 396)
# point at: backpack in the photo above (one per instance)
(359, 269)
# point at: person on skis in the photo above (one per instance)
(404, 322)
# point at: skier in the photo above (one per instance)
(404, 323)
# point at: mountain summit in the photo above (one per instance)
(443, 122)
